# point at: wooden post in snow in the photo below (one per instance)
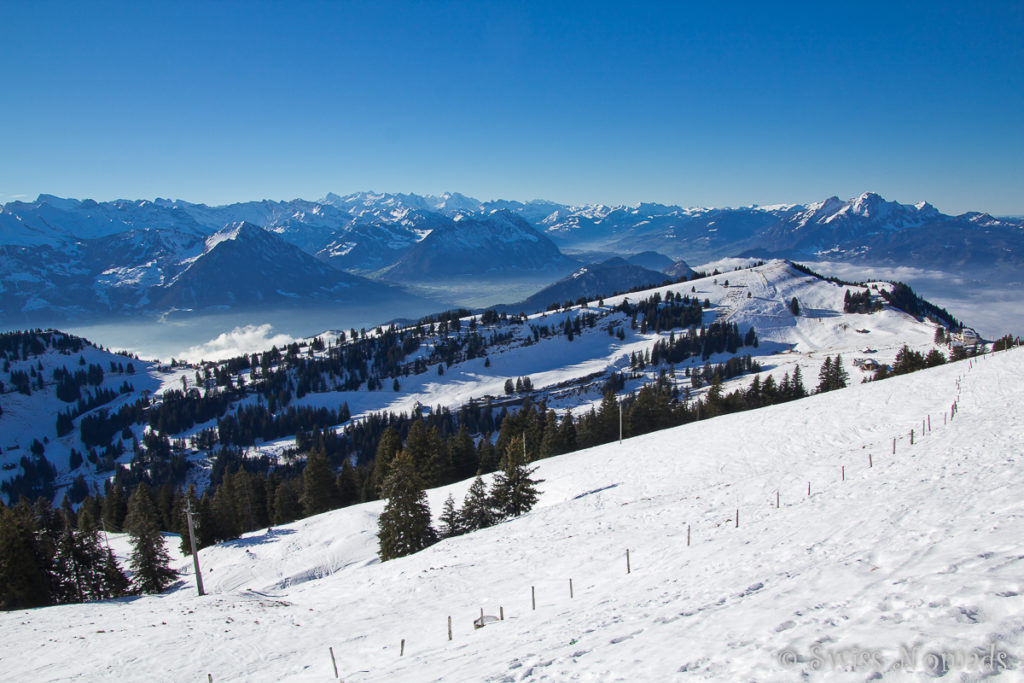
(620, 421)
(449, 627)
(192, 543)
(894, 445)
(501, 613)
(533, 597)
(776, 500)
(929, 423)
(570, 590)
(687, 535)
(333, 663)
(911, 437)
(844, 472)
(870, 461)
(401, 653)
(737, 518)
(808, 488)
(627, 561)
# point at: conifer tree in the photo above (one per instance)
(24, 573)
(149, 561)
(317, 484)
(404, 527)
(287, 507)
(451, 519)
(82, 568)
(462, 454)
(797, 387)
(105, 578)
(207, 531)
(487, 458)
(388, 446)
(67, 577)
(476, 509)
(553, 442)
(114, 509)
(840, 377)
(347, 485)
(422, 447)
(825, 376)
(514, 492)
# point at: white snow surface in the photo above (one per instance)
(919, 554)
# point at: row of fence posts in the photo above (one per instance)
(926, 423)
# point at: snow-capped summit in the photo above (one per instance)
(499, 242)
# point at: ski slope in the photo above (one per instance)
(888, 568)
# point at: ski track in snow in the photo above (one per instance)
(919, 553)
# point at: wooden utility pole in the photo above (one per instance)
(192, 543)
(620, 421)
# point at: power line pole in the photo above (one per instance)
(192, 542)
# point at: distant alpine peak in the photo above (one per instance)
(232, 231)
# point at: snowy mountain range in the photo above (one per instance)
(84, 259)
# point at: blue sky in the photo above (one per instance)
(719, 105)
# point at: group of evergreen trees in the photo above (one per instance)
(55, 556)
(860, 302)
(405, 525)
(832, 374)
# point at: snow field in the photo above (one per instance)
(919, 553)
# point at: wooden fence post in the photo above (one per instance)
(737, 518)
(911, 437)
(401, 652)
(501, 613)
(894, 445)
(627, 561)
(687, 535)
(808, 488)
(870, 461)
(533, 597)
(570, 590)
(776, 500)
(449, 627)
(844, 472)
(333, 663)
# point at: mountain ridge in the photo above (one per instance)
(405, 238)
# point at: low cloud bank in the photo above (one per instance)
(242, 339)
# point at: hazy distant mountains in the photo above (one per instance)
(81, 258)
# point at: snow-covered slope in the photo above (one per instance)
(889, 563)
